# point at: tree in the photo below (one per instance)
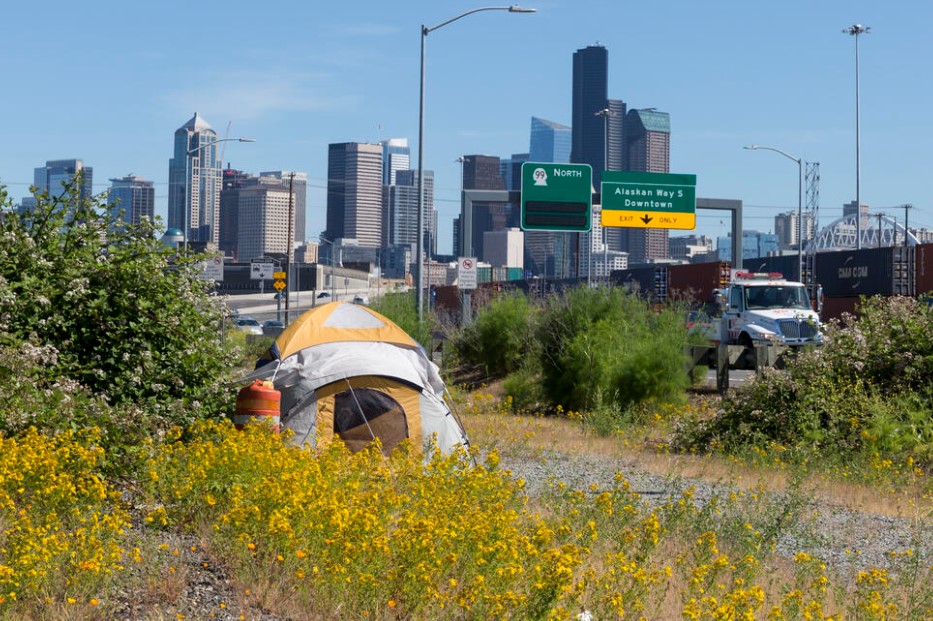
(127, 318)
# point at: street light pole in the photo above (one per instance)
(189, 170)
(419, 255)
(855, 30)
(755, 147)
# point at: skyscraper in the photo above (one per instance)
(132, 198)
(590, 95)
(550, 141)
(354, 193)
(481, 172)
(195, 179)
(396, 156)
(400, 217)
(596, 140)
(648, 149)
(57, 174)
(263, 207)
(233, 180)
(298, 181)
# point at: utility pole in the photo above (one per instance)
(906, 230)
(288, 248)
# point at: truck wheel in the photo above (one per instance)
(748, 356)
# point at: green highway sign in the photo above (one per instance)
(648, 200)
(556, 197)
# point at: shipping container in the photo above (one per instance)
(642, 281)
(833, 308)
(923, 277)
(786, 265)
(869, 271)
(695, 281)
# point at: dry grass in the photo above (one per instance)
(534, 436)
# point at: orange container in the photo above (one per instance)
(258, 401)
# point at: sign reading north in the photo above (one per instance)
(649, 200)
(556, 197)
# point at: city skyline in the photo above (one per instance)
(729, 75)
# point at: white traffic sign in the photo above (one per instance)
(212, 269)
(466, 272)
(261, 270)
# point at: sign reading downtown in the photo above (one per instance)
(649, 200)
(556, 197)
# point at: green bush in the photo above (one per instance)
(607, 341)
(501, 337)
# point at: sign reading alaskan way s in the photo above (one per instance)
(648, 200)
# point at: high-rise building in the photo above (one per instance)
(550, 141)
(597, 140)
(647, 149)
(354, 193)
(298, 184)
(396, 156)
(481, 172)
(131, 199)
(57, 175)
(510, 170)
(785, 227)
(400, 211)
(590, 95)
(233, 180)
(263, 227)
(195, 181)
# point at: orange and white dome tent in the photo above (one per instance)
(344, 370)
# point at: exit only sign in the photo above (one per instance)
(648, 200)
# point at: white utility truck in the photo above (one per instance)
(763, 308)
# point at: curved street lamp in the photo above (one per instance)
(419, 255)
(755, 147)
(188, 155)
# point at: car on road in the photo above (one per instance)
(323, 294)
(272, 327)
(361, 299)
(248, 325)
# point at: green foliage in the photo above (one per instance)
(523, 391)
(124, 319)
(400, 308)
(866, 391)
(501, 337)
(610, 342)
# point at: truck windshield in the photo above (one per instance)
(776, 296)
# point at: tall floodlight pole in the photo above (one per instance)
(419, 255)
(855, 30)
(755, 147)
(605, 113)
(189, 173)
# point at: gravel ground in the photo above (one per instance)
(847, 540)
(826, 531)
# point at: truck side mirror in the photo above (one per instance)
(819, 299)
(719, 298)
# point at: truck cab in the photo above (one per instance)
(766, 309)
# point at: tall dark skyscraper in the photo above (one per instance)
(354, 193)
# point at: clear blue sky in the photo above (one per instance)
(109, 82)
